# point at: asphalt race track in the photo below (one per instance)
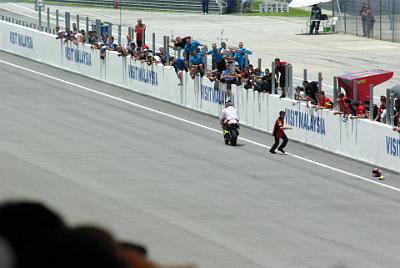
(177, 188)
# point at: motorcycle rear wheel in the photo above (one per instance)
(234, 137)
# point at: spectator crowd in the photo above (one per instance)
(347, 107)
(32, 235)
(230, 65)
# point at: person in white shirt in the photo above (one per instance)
(228, 116)
(75, 29)
(229, 113)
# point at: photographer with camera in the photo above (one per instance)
(240, 56)
(231, 75)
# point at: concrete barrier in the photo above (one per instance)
(363, 140)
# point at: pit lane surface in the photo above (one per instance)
(177, 188)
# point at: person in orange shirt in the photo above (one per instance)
(279, 133)
(323, 101)
(344, 105)
(359, 110)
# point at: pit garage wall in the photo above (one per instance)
(359, 139)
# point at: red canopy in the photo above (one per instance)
(364, 80)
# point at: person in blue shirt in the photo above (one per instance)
(216, 55)
(241, 56)
(190, 47)
(196, 58)
(196, 63)
(180, 66)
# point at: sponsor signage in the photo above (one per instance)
(214, 95)
(305, 121)
(78, 56)
(393, 146)
(274, 8)
(143, 75)
(21, 40)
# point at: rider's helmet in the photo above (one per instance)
(228, 102)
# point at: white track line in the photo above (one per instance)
(13, 4)
(26, 15)
(23, 14)
(200, 125)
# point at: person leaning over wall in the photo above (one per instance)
(397, 115)
(358, 110)
(344, 104)
(381, 115)
(310, 90)
(180, 43)
(323, 101)
(280, 73)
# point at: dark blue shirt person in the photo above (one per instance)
(191, 46)
(215, 53)
(179, 64)
(197, 58)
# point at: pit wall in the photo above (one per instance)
(362, 140)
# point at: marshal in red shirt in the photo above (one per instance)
(278, 131)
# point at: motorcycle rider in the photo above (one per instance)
(228, 116)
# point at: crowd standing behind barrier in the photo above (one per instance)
(230, 74)
(229, 66)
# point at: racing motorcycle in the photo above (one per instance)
(231, 132)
